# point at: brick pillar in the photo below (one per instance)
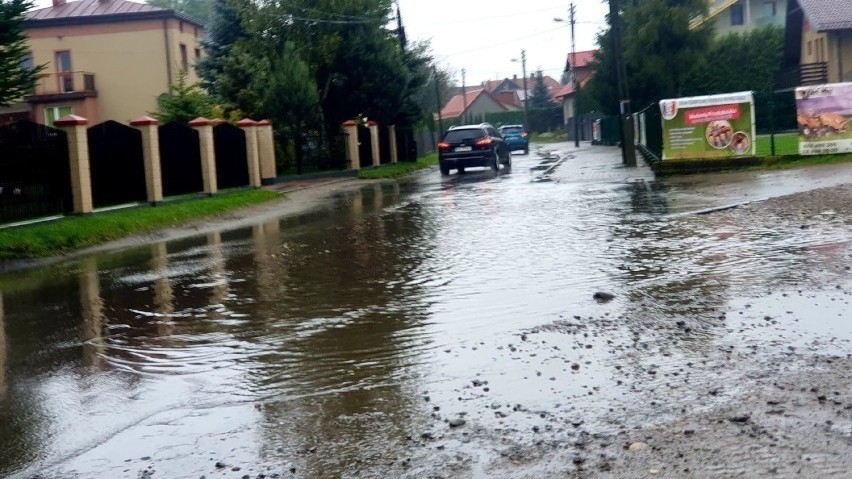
(394, 153)
(351, 130)
(252, 156)
(374, 142)
(151, 155)
(266, 150)
(78, 155)
(204, 127)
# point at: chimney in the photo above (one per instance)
(57, 3)
(515, 76)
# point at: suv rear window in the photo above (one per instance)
(454, 136)
(511, 129)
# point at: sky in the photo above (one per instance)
(484, 36)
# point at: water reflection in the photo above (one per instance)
(92, 329)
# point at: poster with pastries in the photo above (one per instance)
(824, 117)
(707, 127)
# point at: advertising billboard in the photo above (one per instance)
(824, 114)
(714, 126)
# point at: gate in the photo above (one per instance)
(117, 164)
(35, 172)
(365, 146)
(180, 159)
(231, 161)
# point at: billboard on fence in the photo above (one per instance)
(824, 115)
(714, 126)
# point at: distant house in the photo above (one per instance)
(739, 16)
(472, 104)
(511, 90)
(579, 64)
(107, 59)
(818, 47)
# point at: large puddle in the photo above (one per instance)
(341, 342)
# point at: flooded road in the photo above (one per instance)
(445, 327)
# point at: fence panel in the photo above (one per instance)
(35, 173)
(311, 153)
(180, 159)
(407, 145)
(651, 133)
(365, 146)
(117, 164)
(231, 161)
(384, 145)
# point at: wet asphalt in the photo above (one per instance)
(445, 327)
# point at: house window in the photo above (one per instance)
(63, 71)
(197, 53)
(53, 113)
(737, 16)
(769, 9)
(184, 60)
(180, 26)
(195, 32)
(27, 61)
(810, 48)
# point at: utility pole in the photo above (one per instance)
(464, 94)
(526, 90)
(574, 82)
(400, 30)
(628, 153)
(438, 99)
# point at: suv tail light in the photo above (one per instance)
(525, 135)
(443, 146)
(483, 142)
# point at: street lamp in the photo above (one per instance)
(575, 85)
(526, 91)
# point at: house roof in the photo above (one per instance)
(828, 15)
(569, 88)
(715, 8)
(99, 11)
(509, 98)
(583, 59)
(456, 106)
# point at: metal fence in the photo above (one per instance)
(311, 153)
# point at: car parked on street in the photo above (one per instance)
(471, 146)
(516, 137)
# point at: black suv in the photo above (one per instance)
(473, 145)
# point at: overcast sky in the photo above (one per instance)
(483, 36)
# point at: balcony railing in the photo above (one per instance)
(65, 82)
(804, 75)
(778, 20)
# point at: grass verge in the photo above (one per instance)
(75, 232)
(549, 137)
(397, 170)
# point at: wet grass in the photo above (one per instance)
(397, 170)
(550, 137)
(75, 232)
(785, 144)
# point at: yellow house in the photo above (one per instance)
(107, 59)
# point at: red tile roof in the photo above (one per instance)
(582, 58)
(455, 107)
(97, 11)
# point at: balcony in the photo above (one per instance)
(804, 75)
(64, 85)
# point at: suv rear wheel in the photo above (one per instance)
(495, 162)
(445, 169)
